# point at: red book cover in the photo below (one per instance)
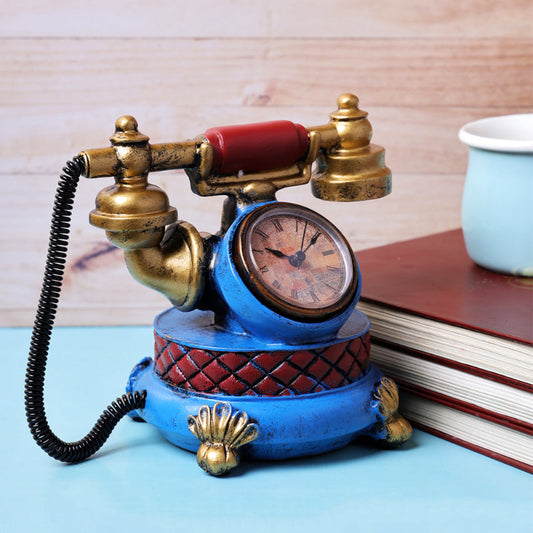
(434, 277)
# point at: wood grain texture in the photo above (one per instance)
(304, 19)
(69, 69)
(90, 73)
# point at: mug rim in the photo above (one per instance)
(505, 133)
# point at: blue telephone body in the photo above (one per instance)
(270, 359)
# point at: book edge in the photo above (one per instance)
(468, 408)
(456, 365)
(475, 448)
(482, 434)
(439, 320)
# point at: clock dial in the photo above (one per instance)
(296, 262)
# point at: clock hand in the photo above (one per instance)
(298, 258)
(303, 236)
(312, 241)
(277, 253)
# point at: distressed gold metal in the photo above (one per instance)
(221, 433)
(175, 267)
(398, 429)
(137, 217)
(135, 214)
(349, 167)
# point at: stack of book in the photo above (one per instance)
(458, 340)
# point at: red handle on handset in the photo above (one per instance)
(257, 147)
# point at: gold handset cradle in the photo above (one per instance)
(134, 213)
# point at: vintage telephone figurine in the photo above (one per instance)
(270, 359)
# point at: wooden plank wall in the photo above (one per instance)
(69, 69)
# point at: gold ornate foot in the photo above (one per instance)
(398, 429)
(221, 433)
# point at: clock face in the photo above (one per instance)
(296, 262)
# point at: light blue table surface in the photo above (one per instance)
(139, 482)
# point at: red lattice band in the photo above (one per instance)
(279, 373)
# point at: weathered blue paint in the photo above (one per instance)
(198, 330)
(289, 426)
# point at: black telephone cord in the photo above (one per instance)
(69, 452)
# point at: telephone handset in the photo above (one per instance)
(269, 300)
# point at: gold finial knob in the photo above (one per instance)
(126, 123)
(352, 168)
(348, 108)
(126, 131)
(347, 101)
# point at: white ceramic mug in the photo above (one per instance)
(498, 193)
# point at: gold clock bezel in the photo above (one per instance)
(243, 260)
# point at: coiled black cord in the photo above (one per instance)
(42, 330)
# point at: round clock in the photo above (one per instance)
(295, 262)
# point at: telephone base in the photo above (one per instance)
(305, 415)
